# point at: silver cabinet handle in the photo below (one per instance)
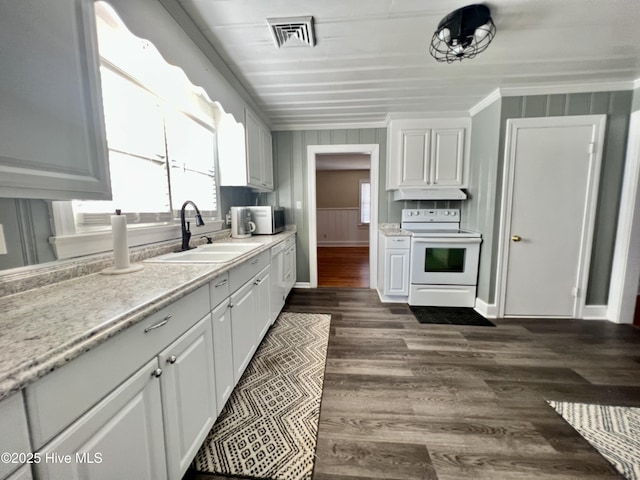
(254, 262)
(164, 321)
(258, 281)
(172, 359)
(222, 283)
(157, 372)
(231, 305)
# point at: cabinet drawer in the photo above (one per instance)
(249, 269)
(219, 289)
(397, 242)
(96, 373)
(13, 424)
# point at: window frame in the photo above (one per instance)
(361, 182)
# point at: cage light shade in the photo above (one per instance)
(463, 33)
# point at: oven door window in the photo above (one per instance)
(444, 260)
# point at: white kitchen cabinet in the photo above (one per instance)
(188, 395)
(277, 280)
(428, 153)
(121, 437)
(13, 419)
(223, 353)
(262, 292)
(395, 254)
(289, 267)
(255, 170)
(52, 140)
(243, 332)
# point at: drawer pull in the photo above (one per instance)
(157, 372)
(222, 283)
(254, 262)
(258, 281)
(172, 359)
(164, 321)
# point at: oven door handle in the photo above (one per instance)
(447, 240)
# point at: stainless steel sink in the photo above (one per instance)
(212, 253)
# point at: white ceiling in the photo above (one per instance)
(371, 58)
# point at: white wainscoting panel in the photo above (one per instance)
(340, 227)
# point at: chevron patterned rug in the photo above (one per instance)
(613, 431)
(268, 428)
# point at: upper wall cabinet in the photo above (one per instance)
(428, 153)
(257, 170)
(52, 136)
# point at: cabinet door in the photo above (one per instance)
(447, 157)
(243, 330)
(262, 293)
(267, 159)
(396, 281)
(23, 473)
(277, 284)
(414, 157)
(52, 140)
(188, 394)
(223, 353)
(13, 419)
(290, 269)
(121, 437)
(254, 149)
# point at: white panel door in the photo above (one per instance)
(447, 157)
(262, 293)
(397, 272)
(554, 164)
(188, 394)
(414, 158)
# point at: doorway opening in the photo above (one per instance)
(343, 216)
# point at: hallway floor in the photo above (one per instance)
(343, 267)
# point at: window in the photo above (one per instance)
(162, 148)
(365, 202)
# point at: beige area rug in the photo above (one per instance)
(268, 428)
(613, 431)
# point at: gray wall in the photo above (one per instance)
(290, 165)
(480, 210)
(617, 107)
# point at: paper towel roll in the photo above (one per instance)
(120, 243)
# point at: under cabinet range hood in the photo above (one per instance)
(417, 193)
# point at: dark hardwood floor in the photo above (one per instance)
(404, 400)
(345, 267)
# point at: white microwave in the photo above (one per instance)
(269, 220)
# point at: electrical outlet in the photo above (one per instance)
(3, 244)
(298, 205)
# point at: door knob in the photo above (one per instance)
(516, 238)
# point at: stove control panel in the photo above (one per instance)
(440, 215)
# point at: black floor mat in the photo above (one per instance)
(450, 316)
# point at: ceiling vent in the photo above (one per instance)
(292, 31)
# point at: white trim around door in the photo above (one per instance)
(374, 153)
(586, 240)
(625, 270)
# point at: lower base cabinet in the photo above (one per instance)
(262, 292)
(121, 437)
(223, 353)
(188, 395)
(243, 332)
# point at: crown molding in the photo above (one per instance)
(327, 126)
(566, 88)
(485, 102)
(424, 115)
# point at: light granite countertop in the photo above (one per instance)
(43, 328)
(393, 230)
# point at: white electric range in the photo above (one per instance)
(444, 258)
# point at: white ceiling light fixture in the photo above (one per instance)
(292, 31)
(463, 33)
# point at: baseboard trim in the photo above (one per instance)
(595, 312)
(302, 285)
(344, 244)
(485, 309)
(392, 298)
